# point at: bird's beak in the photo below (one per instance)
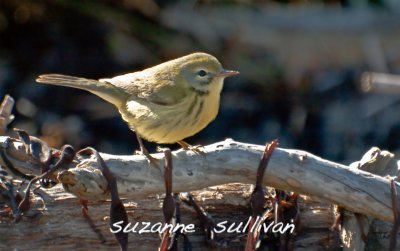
(226, 73)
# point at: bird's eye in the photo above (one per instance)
(202, 73)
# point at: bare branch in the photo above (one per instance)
(380, 83)
(226, 162)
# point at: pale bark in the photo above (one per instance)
(60, 226)
(380, 83)
(230, 162)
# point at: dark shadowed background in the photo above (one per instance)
(300, 64)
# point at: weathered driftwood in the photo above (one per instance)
(356, 228)
(228, 162)
(61, 226)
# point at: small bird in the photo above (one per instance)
(163, 104)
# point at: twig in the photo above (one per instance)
(117, 209)
(5, 113)
(257, 200)
(396, 215)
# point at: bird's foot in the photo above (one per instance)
(199, 149)
(153, 161)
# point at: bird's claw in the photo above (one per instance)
(153, 161)
(199, 149)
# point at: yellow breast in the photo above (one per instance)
(172, 123)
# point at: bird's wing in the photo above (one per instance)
(161, 89)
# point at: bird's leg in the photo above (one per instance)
(187, 147)
(146, 153)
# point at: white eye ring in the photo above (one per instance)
(202, 73)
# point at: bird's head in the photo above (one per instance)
(203, 73)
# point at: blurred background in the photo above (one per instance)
(301, 64)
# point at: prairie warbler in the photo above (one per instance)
(165, 103)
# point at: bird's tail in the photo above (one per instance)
(103, 89)
(65, 80)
